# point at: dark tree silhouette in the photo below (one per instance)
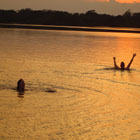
(52, 17)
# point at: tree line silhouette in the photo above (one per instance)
(52, 17)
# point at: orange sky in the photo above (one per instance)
(128, 1)
(120, 1)
(113, 7)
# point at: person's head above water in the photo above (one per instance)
(122, 65)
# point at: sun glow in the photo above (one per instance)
(128, 1)
(119, 1)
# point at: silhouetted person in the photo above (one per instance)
(21, 85)
(122, 64)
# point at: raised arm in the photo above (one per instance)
(115, 65)
(131, 61)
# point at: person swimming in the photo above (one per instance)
(20, 86)
(122, 64)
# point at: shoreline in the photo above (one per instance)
(72, 28)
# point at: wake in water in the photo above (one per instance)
(97, 74)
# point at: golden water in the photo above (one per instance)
(92, 101)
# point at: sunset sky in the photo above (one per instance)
(114, 7)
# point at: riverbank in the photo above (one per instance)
(71, 28)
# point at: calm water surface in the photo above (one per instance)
(92, 101)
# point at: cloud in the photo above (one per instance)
(119, 1)
(128, 1)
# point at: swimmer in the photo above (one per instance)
(21, 85)
(122, 64)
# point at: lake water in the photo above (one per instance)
(91, 101)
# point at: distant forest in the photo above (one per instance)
(51, 17)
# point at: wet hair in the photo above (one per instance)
(21, 85)
(122, 65)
